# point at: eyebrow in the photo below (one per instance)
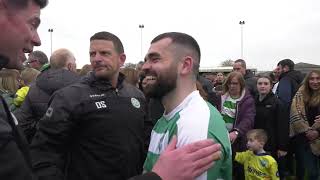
(151, 55)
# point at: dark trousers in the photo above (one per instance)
(306, 161)
(282, 166)
(237, 168)
(238, 171)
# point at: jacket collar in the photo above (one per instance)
(266, 97)
(102, 84)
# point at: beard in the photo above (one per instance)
(164, 83)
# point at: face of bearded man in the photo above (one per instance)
(160, 68)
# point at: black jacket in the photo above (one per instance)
(289, 83)
(147, 176)
(36, 101)
(271, 116)
(251, 82)
(91, 131)
(209, 89)
(14, 155)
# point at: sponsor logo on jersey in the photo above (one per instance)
(135, 103)
(256, 172)
(263, 163)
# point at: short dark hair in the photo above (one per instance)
(258, 134)
(20, 4)
(40, 56)
(287, 62)
(242, 62)
(103, 35)
(184, 40)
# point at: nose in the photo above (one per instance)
(36, 39)
(96, 58)
(146, 66)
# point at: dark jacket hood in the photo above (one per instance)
(249, 74)
(53, 79)
(294, 75)
(206, 84)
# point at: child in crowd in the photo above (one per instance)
(28, 75)
(257, 163)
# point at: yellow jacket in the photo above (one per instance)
(20, 95)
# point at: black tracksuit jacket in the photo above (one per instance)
(91, 131)
(14, 153)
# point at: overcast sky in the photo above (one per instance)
(273, 30)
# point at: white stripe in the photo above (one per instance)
(229, 112)
(159, 141)
(14, 119)
(193, 124)
(182, 105)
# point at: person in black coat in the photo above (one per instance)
(270, 116)
(60, 73)
(19, 22)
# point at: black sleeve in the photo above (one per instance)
(25, 118)
(13, 163)
(215, 100)
(148, 125)
(50, 143)
(147, 176)
(282, 130)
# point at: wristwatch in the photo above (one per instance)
(236, 132)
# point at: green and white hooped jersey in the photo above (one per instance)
(228, 112)
(194, 119)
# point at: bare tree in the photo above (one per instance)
(130, 65)
(227, 62)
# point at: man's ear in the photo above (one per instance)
(122, 59)
(187, 65)
(69, 66)
(286, 68)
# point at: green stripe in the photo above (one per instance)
(228, 119)
(217, 130)
(163, 124)
(162, 127)
(229, 104)
(150, 161)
